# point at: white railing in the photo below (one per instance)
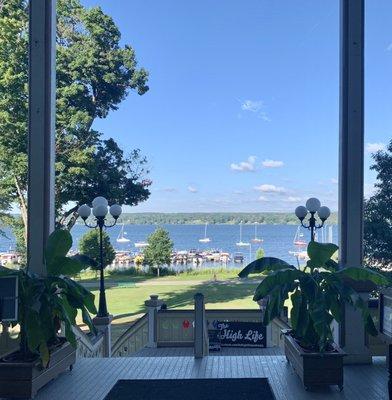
(89, 345)
(133, 339)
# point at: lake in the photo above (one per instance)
(278, 239)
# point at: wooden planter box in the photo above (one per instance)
(24, 379)
(315, 369)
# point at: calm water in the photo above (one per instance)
(278, 239)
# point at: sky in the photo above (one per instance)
(242, 114)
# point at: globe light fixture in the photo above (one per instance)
(100, 211)
(313, 206)
(99, 201)
(301, 212)
(84, 211)
(115, 211)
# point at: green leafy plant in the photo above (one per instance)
(89, 245)
(317, 293)
(159, 250)
(44, 302)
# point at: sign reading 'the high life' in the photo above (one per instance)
(244, 334)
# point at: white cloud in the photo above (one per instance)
(334, 181)
(238, 192)
(293, 199)
(389, 47)
(252, 105)
(257, 107)
(263, 198)
(244, 166)
(169, 189)
(266, 188)
(265, 117)
(192, 189)
(272, 164)
(374, 147)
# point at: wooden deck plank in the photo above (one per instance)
(93, 378)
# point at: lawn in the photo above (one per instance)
(126, 301)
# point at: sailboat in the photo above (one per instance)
(205, 239)
(241, 243)
(256, 239)
(299, 238)
(141, 245)
(121, 238)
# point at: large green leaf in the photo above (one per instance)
(64, 266)
(86, 261)
(264, 264)
(58, 245)
(322, 320)
(320, 253)
(364, 274)
(275, 280)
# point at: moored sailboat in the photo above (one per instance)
(256, 239)
(241, 243)
(205, 239)
(121, 238)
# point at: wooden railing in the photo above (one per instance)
(89, 345)
(133, 339)
(176, 327)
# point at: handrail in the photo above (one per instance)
(139, 326)
(89, 345)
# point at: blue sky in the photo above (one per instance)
(242, 112)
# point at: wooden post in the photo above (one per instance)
(153, 305)
(42, 81)
(351, 165)
(200, 322)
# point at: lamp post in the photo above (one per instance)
(312, 206)
(100, 210)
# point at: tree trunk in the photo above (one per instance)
(22, 206)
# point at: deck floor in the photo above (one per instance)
(93, 378)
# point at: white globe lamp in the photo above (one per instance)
(313, 204)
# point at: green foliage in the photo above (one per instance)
(159, 250)
(260, 253)
(214, 218)
(317, 293)
(94, 74)
(264, 264)
(46, 302)
(378, 213)
(89, 245)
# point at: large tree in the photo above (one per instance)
(378, 212)
(159, 250)
(94, 74)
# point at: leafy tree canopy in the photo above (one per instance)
(159, 249)
(378, 212)
(89, 246)
(94, 74)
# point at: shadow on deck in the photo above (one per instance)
(93, 378)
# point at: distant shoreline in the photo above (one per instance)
(218, 218)
(270, 218)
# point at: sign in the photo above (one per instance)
(386, 312)
(242, 334)
(214, 342)
(8, 298)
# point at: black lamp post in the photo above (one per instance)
(312, 206)
(100, 211)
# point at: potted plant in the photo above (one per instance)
(318, 292)
(44, 303)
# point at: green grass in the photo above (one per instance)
(126, 302)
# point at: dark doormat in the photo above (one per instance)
(192, 389)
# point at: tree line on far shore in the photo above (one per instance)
(214, 218)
